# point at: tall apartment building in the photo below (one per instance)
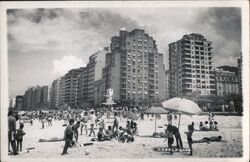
(44, 94)
(54, 94)
(167, 84)
(226, 82)
(92, 73)
(19, 102)
(190, 65)
(28, 99)
(240, 74)
(68, 88)
(12, 102)
(134, 68)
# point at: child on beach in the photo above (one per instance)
(189, 138)
(19, 137)
(170, 137)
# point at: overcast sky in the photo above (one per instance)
(44, 44)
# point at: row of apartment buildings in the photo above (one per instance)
(34, 98)
(134, 69)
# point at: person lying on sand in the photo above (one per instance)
(209, 139)
(53, 139)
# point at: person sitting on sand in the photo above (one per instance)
(101, 136)
(209, 139)
(215, 126)
(211, 125)
(201, 126)
(108, 132)
(133, 127)
(207, 127)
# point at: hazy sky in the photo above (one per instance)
(44, 44)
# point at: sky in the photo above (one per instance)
(43, 44)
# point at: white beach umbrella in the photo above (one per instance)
(181, 105)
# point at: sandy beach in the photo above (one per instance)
(230, 128)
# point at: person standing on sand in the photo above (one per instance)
(92, 123)
(12, 132)
(75, 130)
(177, 136)
(84, 121)
(169, 118)
(68, 136)
(116, 123)
(189, 138)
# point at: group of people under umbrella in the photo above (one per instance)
(179, 106)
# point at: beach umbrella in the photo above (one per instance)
(181, 105)
(156, 111)
(131, 115)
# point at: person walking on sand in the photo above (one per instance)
(92, 123)
(189, 138)
(68, 136)
(84, 121)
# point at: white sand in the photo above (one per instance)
(230, 130)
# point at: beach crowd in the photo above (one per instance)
(91, 123)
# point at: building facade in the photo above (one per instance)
(191, 67)
(68, 88)
(239, 60)
(134, 68)
(167, 84)
(19, 102)
(92, 73)
(54, 94)
(36, 98)
(226, 82)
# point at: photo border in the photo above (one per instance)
(244, 5)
